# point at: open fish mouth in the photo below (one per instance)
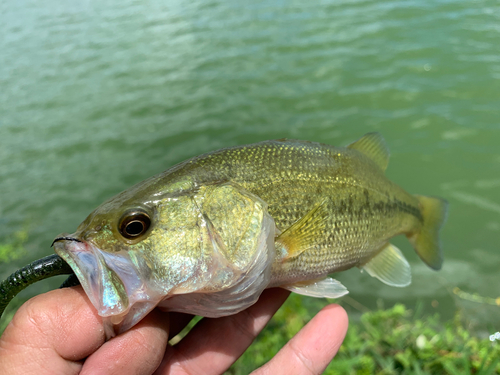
(117, 284)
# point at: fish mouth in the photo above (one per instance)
(117, 284)
(64, 238)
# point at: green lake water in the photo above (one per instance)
(96, 96)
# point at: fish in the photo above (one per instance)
(209, 234)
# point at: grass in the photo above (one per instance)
(12, 249)
(391, 341)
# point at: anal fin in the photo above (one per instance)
(322, 288)
(389, 266)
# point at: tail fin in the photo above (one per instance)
(426, 242)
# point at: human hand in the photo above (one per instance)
(60, 333)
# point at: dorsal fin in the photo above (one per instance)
(373, 145)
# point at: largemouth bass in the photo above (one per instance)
(208, 235)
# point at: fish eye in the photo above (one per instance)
(134, 224)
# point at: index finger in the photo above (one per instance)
(313, 347)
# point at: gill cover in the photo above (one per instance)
(238, 233)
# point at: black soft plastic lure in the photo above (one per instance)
(52, 265)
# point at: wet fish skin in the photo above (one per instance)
(211, 247)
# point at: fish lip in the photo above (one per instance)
(64, 237)
(112, 281)
(91, 270)
(118, 284)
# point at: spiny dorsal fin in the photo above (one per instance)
(390, 266)
(327, 288)
(302, 235)
(373, 145)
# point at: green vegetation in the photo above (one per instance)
(392, 341)
(14, 247)
(11, 250)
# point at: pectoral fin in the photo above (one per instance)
(373, 145)
(322, 288)
(390, 267)
(303, 234)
